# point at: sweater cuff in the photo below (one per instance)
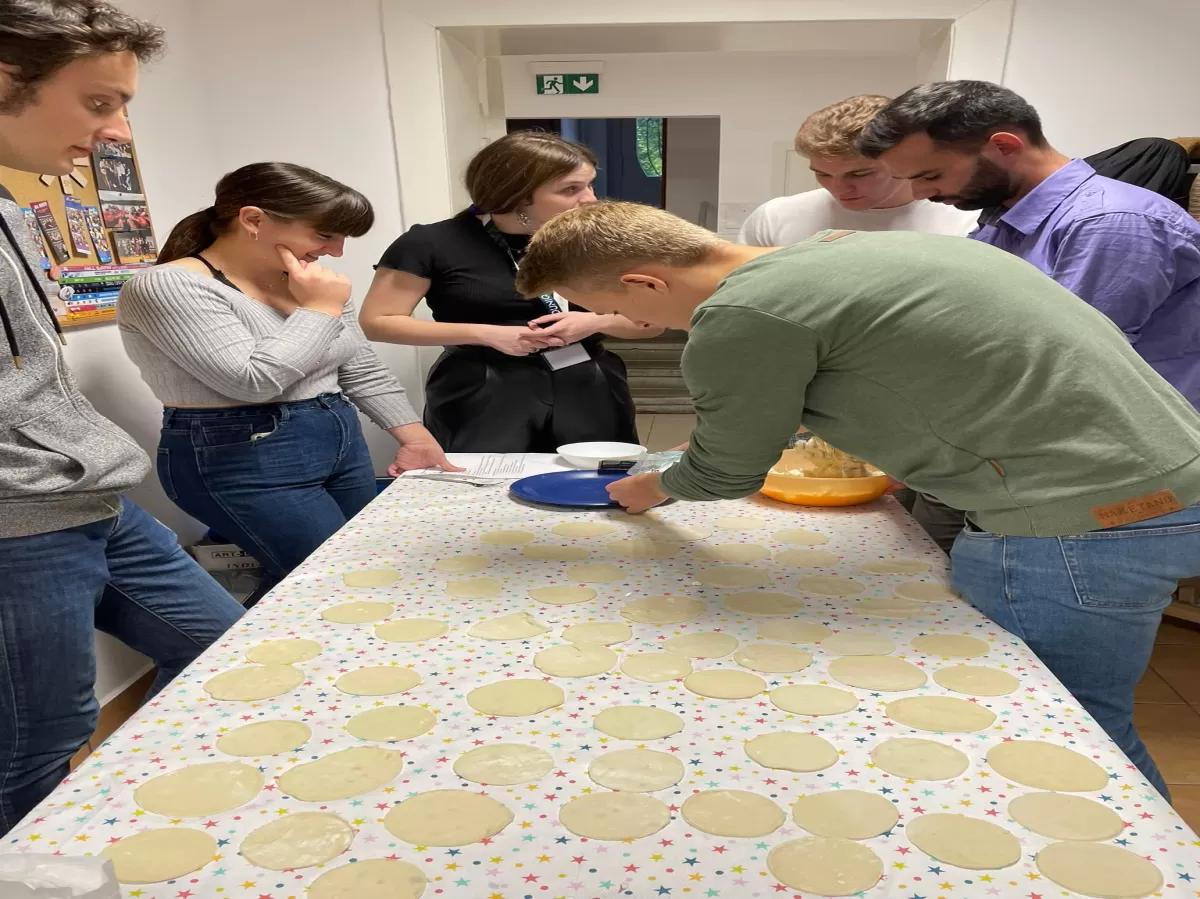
(388, 410)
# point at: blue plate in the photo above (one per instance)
(571, 489)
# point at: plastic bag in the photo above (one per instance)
(29, 876)
(656, 462)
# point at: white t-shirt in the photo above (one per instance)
(787, 220)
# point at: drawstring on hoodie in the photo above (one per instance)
(13, 346)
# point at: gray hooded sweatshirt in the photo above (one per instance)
(62, 464)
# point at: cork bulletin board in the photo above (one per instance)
(93, 226)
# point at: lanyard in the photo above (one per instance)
(549, 301)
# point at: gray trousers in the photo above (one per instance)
(940, 522)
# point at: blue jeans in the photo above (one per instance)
(126, 576)
(1088, 606)
(278, 480)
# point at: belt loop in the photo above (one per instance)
(283, 411)
(168, 416)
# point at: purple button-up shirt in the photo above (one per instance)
(1129, 252)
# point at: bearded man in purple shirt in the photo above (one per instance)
(1129, 252)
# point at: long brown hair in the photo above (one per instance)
(505, 173)
(283, 191)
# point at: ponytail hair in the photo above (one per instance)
(283, 191)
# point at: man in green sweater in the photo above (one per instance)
(954, 367)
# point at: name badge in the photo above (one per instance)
(565, 356)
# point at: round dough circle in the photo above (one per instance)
(765, 604)
(964, 842)
(506, 538)
(297, 840)
(725, 684)
(614, 816)
(343, 774)
(813, 699)
(663, 609)
(669, 531)
(800, 537)
(830, 585)
(915, 759)
(372, 878)
(926, 591)
(546, 552)
(473, 588)
(644, 548)
(265, 738)
(583, 529)
(732, 813)
(735, 552)
(825, 866)
(637, 722)
(950, 646)
(729, 576)
(854, 644)
(461, 564)
(371, 577)
(737, 523)
(636, 770)
(711, 645)
(849, 814)
(358, 612)
(391, 723)
(940, 714)
(562, 596)
(516, 698)
(882, 673)
(886, 608)
(1060, 816)
(1046, 766)
(379, 680)
(1096, 869)
(283, 652)
(896, 566)
(791, 751)
(504, 765)
(806, 558)
(200, 790)
(656, 667)
(976, 680)
(517, 626)
(575, 660)
(447, 818)
(254, 682)
(771, 658)
(411, 630)
(793, 631)
(156, 856)
(596, 574)
(604, 632)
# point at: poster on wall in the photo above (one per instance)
(31, 223)
(116, 177)
(126, 216)
(77, 227)
(95, 226)
(45, 219)
(135, 246)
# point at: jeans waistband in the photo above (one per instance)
(174, 416)
(593, 347)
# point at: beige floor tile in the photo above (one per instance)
(1154, 689)
(670, 431)
(1179, 665)
(1186, 800)
(1172, 734)
(1176, 633)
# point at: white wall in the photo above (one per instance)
(693, 167)
(979, 42)
(761, 98)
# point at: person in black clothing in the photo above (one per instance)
(517, 374)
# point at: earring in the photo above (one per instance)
(522, 218)
(255, 233)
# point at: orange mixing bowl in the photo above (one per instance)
(802, 491)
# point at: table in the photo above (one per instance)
(413, 524)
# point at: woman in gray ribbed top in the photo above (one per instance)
(253, 349)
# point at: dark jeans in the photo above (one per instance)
(278, 480)
(126, 576)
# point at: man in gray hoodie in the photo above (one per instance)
(74, 554)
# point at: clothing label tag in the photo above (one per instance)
(565, 356)
(1140, 508)
(834, 235)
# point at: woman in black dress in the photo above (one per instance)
(517, 374)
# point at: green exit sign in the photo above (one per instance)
(568, 84)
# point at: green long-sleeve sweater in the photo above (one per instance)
(953, 366)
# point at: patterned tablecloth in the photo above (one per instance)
(416, 523)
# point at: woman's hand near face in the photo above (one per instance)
(313, 286)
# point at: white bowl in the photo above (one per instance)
(590, 455)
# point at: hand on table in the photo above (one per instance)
(418, 449)
(567, 327)
(638, 493)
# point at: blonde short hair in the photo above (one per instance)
(591, 246)
(832, 131)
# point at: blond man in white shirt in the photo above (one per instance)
(856, 193)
